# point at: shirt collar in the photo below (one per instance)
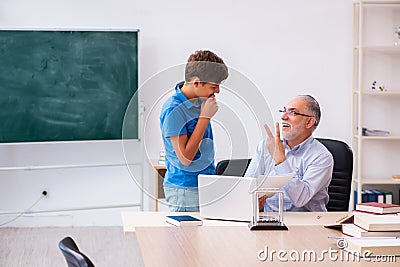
(181, 97)
(299, 146)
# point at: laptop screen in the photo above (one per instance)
(230, 197)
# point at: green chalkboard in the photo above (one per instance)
(67, 85)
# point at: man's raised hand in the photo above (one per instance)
(275, 145)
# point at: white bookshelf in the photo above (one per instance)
(376, 57)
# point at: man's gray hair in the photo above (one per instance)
(313, 107)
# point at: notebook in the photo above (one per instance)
(229, 197)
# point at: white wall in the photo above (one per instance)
(284, 48)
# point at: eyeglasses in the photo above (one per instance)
(291, 112)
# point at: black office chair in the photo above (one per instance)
(232, 167)
(72, 255)
(339, 189)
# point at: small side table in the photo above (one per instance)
(160, 171)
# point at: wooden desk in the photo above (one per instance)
(221, 243)
(131, 220)
(219, 246)
(238, 246)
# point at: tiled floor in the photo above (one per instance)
(105, 246)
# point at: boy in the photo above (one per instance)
(186, 129)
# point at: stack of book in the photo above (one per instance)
(370, 221)
(375, 229)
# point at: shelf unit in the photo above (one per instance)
(376, 57)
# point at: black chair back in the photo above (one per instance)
(72, 255)
(339, 189)
(232, 167)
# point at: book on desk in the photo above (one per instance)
(183, 220)
(378, 208)
(356, 231)
(372, 247)
(372, 222)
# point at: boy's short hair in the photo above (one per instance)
(207, 66)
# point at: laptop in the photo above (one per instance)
(229, 197)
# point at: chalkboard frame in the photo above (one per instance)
(37, 136)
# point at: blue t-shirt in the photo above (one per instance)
(179, 116)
